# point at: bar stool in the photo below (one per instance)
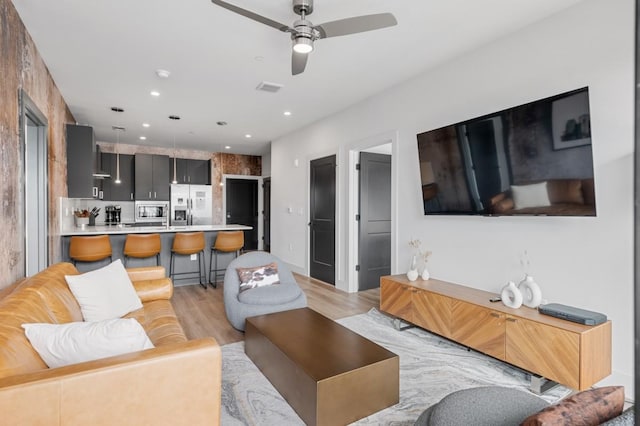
(226, 242)
(142, 246)
(90, 249)
(186, 244)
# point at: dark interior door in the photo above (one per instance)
(242, 208)
(266, 214)
(322, 212)
(374, 257)
(482, 144)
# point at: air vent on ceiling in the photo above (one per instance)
(266, 86)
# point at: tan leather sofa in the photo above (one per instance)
(177, 382)
(568, 197)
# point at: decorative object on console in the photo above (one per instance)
(412, 274)
(531, 293)
(423, 256)
(569, 313)
(511, 296)
(425, 273)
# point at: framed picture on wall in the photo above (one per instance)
(571, 121)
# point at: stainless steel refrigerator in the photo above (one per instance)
(191, 205)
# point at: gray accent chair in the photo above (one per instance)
(482, 406)
(494, 406)
(262, 300)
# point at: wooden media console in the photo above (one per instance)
(569, 353)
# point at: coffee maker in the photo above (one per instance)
(112, 215)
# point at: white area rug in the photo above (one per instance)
(430, 368)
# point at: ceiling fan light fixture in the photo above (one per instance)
(303, 45)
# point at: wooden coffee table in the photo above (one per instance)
(326, 372)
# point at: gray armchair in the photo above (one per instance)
(261, 300)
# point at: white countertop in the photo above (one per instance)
(126, 229)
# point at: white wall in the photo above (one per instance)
(266, 165)
(584, 262)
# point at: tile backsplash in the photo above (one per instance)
(68, 205)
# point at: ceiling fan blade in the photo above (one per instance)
(357, 24)
(254, 16)
(298, 62)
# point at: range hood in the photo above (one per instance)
(98, 171)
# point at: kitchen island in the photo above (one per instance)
(118, 234)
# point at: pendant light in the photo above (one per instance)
(175, 180)
(118, 156)
(117, 129)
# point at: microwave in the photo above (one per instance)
(151, 211)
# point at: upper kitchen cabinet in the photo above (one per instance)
(152, 177)
(195, 172)
(81, 161)
(122, 191)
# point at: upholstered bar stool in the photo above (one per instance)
(89, 249)
(186, 244)
(142, 246)
(226, 242)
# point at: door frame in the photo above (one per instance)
(352, 248)
(30, 111)
(260, 201)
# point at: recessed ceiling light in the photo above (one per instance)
(155, 93)
(143, 138)
(247, 136)
(146, 124)
(287, 113)
(227, 147)
(162, 73)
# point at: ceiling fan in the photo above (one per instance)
(304, 33)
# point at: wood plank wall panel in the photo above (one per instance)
(23, 68)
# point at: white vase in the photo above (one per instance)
(531, 293)
(511, 296)
(425, 273)
(412, 275)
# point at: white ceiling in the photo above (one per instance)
(105, 53)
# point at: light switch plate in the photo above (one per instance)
(194, 257)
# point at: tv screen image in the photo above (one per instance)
(533, 159)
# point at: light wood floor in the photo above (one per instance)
(201, 312)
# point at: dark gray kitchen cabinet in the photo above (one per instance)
(151, 177)
(199, 172)
(195, 172)
(81, 151)
(111, 190)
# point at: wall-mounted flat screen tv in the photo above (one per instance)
(533, 159)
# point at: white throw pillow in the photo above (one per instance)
(64, 344)
(534, 195)
(105, 293)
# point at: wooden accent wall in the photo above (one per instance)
(230, 164)
(22, 67)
